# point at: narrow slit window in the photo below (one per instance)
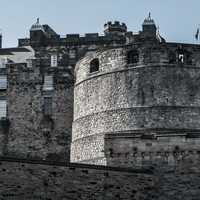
(94, 65)
(72, 53)
(3, 62)
(29, 63)
(3, 82)
(47, 106)
(54, 60)
(181, 55)
(48, 83)
(3, 109)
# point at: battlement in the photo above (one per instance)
(115, 28)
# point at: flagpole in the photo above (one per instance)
(197, 34)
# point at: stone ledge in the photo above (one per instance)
(153, 65)
(75, 165)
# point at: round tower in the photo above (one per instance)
(134, 101)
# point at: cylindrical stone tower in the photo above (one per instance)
(124, 95)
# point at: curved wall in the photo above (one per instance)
(121, 98)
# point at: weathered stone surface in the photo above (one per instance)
(121, 97)
(39, 180)
(31, 133)
(139, 107)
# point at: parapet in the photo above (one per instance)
(115, 28)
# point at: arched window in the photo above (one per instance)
(132, 57)
(181, 55)
(189, 58)
(184, 56)
(172, 57)
(94, 65)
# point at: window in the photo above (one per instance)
(94, 65)
(181, 58)
(72, 53)
(48, 83)
(181, 54)
(132, 57)
(29, 63)
(47, 106)
(54, 60)
(3, 82)
(172, 57)
(3, 109)
(3, 62)
(189, 58)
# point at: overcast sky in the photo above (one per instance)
(177, 19)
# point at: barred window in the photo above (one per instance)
(54, 60)
(3, 82)
(47, 106)
(3, 108)
(48, 82)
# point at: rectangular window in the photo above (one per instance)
(3, 82)
(3, 62)
(48, 83)
(54, 60)
(47, 106)
(3, 109)
(72, 53)
(29, 63)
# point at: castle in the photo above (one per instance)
(113, 116)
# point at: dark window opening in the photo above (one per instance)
(181, 55)
(181, 58)
(132, 57)
(94, 65)
(47, 106)
(189, 59)
(172, 58)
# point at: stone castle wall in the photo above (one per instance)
(31, 133)
(123, 97)
(21, 179)
(128, 150)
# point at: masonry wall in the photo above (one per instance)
(32, 134)
(120, 97)
(4, 132)
(39, 180)
(128, 150)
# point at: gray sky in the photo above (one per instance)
(177, 19)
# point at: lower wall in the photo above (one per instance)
(128, 150)
(21, 179)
